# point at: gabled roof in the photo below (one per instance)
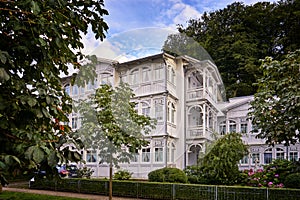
(235, 102)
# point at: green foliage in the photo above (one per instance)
(181, 44)
(85, 172)
(276, 105)
(110, 123)
(172, 175)
(237, 36)
(292, 180)
(220, 164)
(39, 41)
(148, 190)
(122, 175)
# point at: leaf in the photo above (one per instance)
(4, 76)
(31, 101)
(35, 7)
(38, 154)
(28, 153)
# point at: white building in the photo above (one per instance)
(186, 97)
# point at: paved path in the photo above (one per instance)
(63, 194)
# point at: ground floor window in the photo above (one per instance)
(91, 156)
(158, 154)
(294, 156)
(146, 155)
(255, 158)
(245, 160)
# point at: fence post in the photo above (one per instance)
(137, 190)
(173, 191)
(216, 195)
(79, 186)
(267, 194)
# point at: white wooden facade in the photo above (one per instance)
(186, 97)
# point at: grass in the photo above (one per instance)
(6, 195)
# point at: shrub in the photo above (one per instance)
(84, 172)
(292, 180)
(172, 175)
(122, 175)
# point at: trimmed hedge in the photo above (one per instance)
(292, 180)
(150, 190)
(171, 175)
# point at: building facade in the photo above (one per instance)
(186, 97)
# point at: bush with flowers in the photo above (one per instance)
(272, 175)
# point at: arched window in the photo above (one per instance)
(223, 128)
(195, 116)
(146, 74)
(171, 112)
(158, 109)
(268, 156)
(134, 77)
(195, 80)
(232, 126)
(105, 78)
(145, 109)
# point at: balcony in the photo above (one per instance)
(195, 132)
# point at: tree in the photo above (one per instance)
(238, 36)
(219, 165)
(110, 124)
(39, 41)
(276, 105)
(181, 44)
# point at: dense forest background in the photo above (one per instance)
(238, 37)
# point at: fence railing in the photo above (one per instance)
(168, 191)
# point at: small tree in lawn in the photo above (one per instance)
(110, 124)
(276, 105)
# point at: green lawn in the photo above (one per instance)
(6, 195)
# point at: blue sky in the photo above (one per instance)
(129, 15)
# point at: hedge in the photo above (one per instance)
(151, 190)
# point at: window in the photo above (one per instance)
(171, 113)
(75, 90)
(268, 156)
(106, 78)
(255, 158)
(245, 160)
(82, 90)
(171, 74)
(145, 109)
(223, 128)
(158, 156)
(135, 155)
(294, 156)
(171, 152)
(146, 74)
(244, 128)
(279, 153)
(89, 85)
(134, 77)
(158, 73)
(159, 109)
(146, 155)
(74, 121)
(195, 80)
(91, 156)
(232, 126)
(67, 89)
(195, 117)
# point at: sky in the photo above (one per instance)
(150, 20)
